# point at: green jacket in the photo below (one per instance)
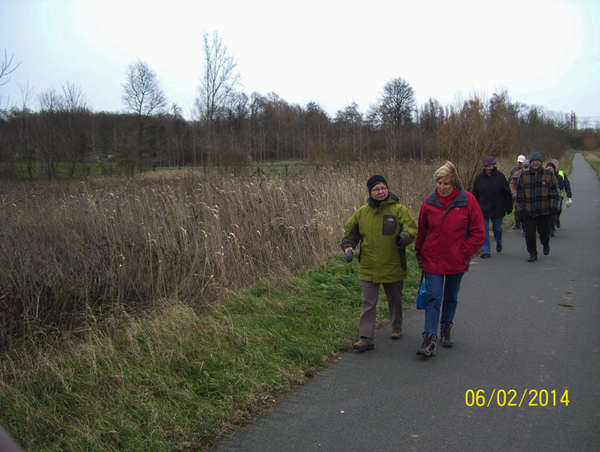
(383, 233)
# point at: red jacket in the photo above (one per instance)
(447, 239)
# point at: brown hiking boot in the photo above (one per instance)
(397, 333)
(428, 345)
(445, 337)
(364, 344)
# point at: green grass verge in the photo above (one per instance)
(593, 158)
(175, 380)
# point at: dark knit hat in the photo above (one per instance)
(536, 156)
(552, 165)
(488, 161)
(373, 180)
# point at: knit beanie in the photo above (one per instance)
(373, 180)
(536, 156)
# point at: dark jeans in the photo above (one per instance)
(539, 224)
(442, 297)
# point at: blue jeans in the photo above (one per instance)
(496, 228)
(442, 292)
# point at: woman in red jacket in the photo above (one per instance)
(450, 232)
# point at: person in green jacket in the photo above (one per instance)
(383, 227)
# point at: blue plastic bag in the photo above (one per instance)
(422, 294)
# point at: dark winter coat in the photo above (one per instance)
(493, 194)
(564, 185)
(448, 238)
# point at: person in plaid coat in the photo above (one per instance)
(537, 200)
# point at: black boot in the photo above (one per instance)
(532, 258)
(445, 337)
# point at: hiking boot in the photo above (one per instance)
(397, 333)
(485, 255)
(516, 226)
(428, 345)
(498, 247)
(558, 223)
(546, 250)
(364, 344)
(445, 337)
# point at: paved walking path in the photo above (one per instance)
(530, 331)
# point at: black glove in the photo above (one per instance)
(420, 264)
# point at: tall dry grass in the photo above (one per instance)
(70, 251)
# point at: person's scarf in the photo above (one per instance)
(448, 199)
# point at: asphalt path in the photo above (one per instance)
(525, 335)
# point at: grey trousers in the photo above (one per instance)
(370, 295)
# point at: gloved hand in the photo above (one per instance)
(569, 202)
(514, 196)
(404, 238)
(554, 211)
(349, 254)
(420, 264)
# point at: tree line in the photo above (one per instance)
(232, 129)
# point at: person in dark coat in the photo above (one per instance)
(495, 199)
(563, 186)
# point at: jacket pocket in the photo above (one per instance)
(390, 223)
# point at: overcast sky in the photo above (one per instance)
(543, 52)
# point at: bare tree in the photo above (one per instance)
(76, 125)
(63, 128)
(217, 84)
(143, 97)
(6, 70)
(468, 133)
(394, 112)
(352, 141)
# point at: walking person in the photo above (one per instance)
(450, 232)
(552, 167)
(513, 175)
(495, 199)
(513, 188)
(564, 185)
(383, 227)
(537, 200)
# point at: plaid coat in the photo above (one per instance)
(537, 193)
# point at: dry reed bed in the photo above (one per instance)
(71, 250)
